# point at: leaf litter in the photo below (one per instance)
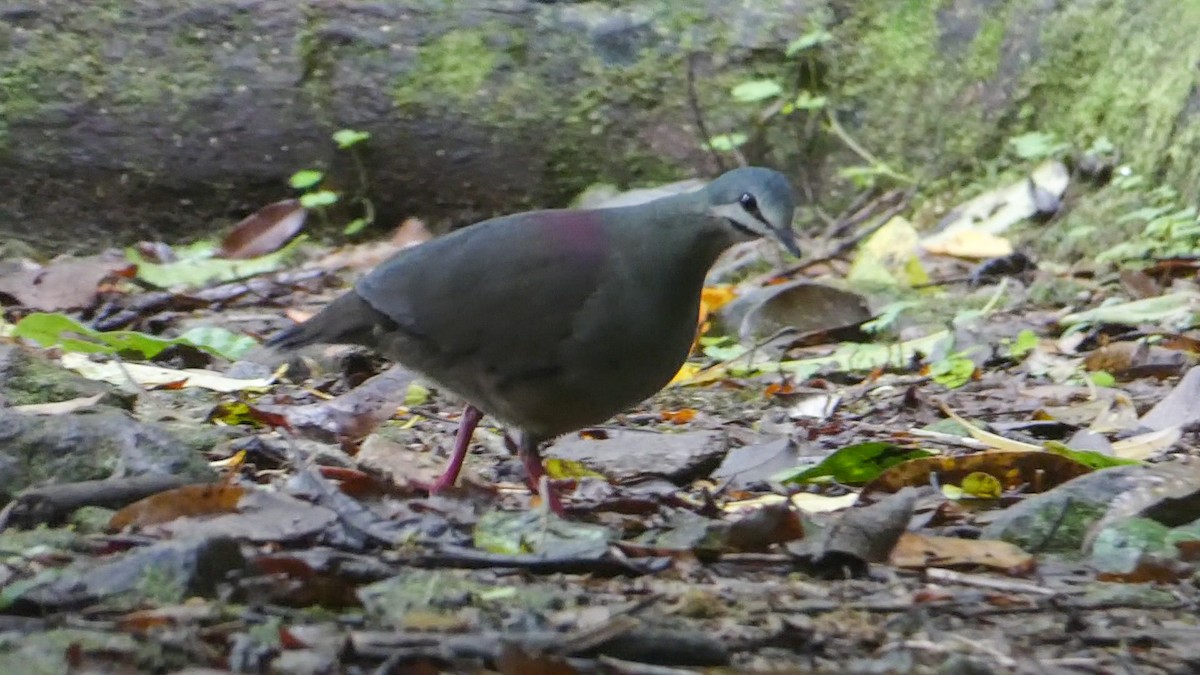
(951, 452)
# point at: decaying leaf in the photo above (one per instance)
(226, 511)
(189, 500)
(353, 415)
(142, 375)
(1035, 471)
(919, 551)
(59, 407)
(1179, 408)
(857, 537)
(801, 306)
(64, 283)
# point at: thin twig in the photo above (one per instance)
(698, 115)
(978, 580)
(849, 244)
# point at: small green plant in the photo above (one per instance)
(1169, 228)
(953, 371)
(1025, 342)
(803, 102)
(316, 198)
(775, 98)
(1037, 145)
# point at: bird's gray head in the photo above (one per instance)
(754, 202)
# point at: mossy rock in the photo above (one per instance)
(95, 444)
(28, 378)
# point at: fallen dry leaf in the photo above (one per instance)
(59, 407)
(918, 551)
(144, 375)
(264, 231)
(64, 283)
(189, 500)
(1037, 471)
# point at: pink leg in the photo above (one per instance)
(527, 450)
(462, 442)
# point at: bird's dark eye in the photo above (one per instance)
(748, 202)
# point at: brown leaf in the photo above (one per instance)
(918, 551)
(226, 511)
(264, 231)
(1037, 471)
(759, 529)
(1132, 360)
(64, 283)
(189, 500)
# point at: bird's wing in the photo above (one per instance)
(497, 299)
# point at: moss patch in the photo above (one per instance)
(452, 69)
(1126, 71)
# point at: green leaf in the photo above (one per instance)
(58, 330)
(723, 353)
(1088, 458)
(195, 269)
(807, 101)
(1102, 378)
(355, 226)
(1026, 342)
(854, 464)
(952, 372)
(888, 316)
(1178, 310)
(727, 142)
(220, 341)
(807, 41)
(318, 199)
(756, 90)
(302, 180)
(416, 395)
(346, 138)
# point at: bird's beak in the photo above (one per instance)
(787, 238)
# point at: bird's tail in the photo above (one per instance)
(346, 320)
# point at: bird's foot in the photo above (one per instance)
(540, 483)
(550, 497)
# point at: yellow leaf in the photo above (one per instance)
(970, 244)
(981, 485)
(686, 372)
(713, 298)
(568, 468)
(887, 256)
